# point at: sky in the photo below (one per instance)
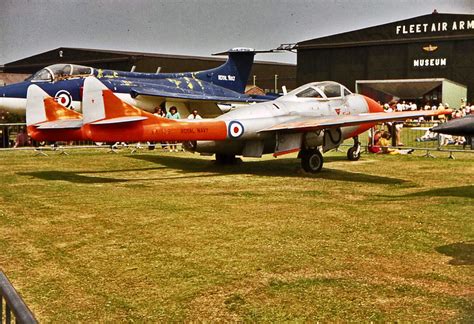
(192, 27)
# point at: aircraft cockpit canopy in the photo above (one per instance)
(321, 90)
(61, 71)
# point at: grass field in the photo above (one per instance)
(173, 237)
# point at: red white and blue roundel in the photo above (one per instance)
(64, 98)
(236, 129)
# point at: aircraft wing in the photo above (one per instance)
(304, 124)
(119, 120)
(60, 124)
(192, 95)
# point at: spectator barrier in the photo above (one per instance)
(414, 135)
(15, 308)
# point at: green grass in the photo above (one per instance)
(173, 237)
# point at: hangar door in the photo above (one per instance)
(421, 91)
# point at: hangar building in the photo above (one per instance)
(263, 73)
(429, 58)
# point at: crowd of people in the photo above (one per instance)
(465, 109)
(377, 140)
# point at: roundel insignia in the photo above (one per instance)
(236, 129)
(64, 98)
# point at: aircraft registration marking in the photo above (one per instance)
(200, 130)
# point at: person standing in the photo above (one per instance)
(22, 139)
(159, 112)
(194, 115)
(173, 114)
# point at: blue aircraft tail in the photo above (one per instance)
(234, 73)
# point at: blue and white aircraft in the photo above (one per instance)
(203, 90)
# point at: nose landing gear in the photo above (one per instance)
(353, 154)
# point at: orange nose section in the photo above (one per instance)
(374, 106)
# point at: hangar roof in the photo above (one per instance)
(431, 27)
(97, 56)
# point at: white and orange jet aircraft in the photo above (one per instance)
(311, 119)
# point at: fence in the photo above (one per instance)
(8, 133)
(414, 135)
(417, 136)
(14, 305)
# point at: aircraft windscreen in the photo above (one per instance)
(42, 75)
(331, 90)
(309, 93)
(61, 71)
(81, 70)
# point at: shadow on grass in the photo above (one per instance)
(70, 176)
(462, 191)
(81, 176)
(189, 165)
(462, 253)
(280, 168)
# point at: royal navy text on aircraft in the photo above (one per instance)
(434, 27)
(226, 77)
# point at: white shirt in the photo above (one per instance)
(194, 117)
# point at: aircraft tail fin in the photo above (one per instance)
(101, 106)
(234, 73)
(40, 107)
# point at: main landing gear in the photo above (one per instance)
(353, 154)
(311, 160)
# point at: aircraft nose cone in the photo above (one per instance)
(373, 106)
(460, 127)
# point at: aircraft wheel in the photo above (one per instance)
(225, 159)
(312, 161)
(353, 154)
